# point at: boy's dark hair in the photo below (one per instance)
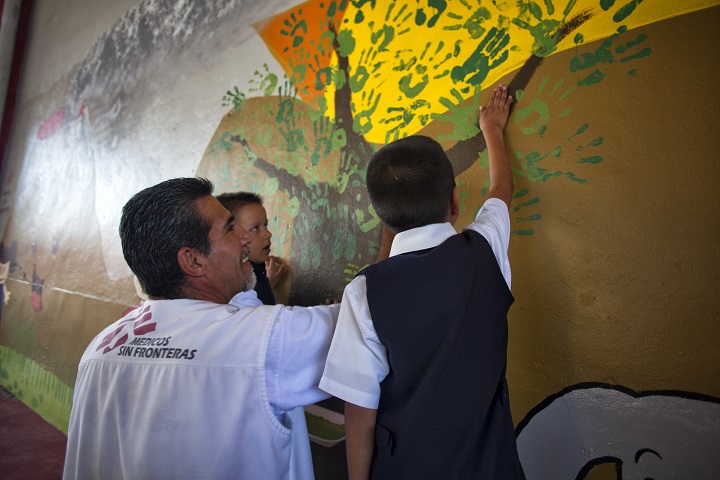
(156, 222)
(233, 201)
(410, 182)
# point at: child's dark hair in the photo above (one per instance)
(410, 182)
(235, 200)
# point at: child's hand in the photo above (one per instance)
(275, 270)
(495, 114)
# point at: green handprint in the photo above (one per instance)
(286, 118)
(413, 90)
(360, 74)
(402, 116)
(531, 170)
(286, 104)
(265, 82)
(369, 224)
(604, 55)
(359, 4)
(539, 108)
(521, 195)
(473, 24)
(530, 163)
(527, 202)
(323, 131)
(463, 193)
(294, 25)
(462, 114)
(346, 42)
(543, 31)
(387, 33)
(490, 53)
(323, 147)
(304, 56)
(345, 244)
(298, 64)
(351, 270)
(325, 76)
(421, 16)
(235, 98)
(623, 12)
(594, 143)
(362, 121)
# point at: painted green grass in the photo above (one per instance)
(37, 388)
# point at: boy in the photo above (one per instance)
(419, 353)
(250, 213)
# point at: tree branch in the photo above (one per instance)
(463, 154)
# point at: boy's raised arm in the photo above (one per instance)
(493, 119)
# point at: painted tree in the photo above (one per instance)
(360, 75)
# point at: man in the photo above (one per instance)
(202, 381)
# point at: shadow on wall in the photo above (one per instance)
(654, 434)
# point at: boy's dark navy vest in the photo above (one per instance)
(444, 410)
(262, 285)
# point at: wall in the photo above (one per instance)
(613, 357)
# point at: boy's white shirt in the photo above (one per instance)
(357, 361)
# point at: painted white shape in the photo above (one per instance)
(655, 436)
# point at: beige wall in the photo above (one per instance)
(615, 261)
(619, 283)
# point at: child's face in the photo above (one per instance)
(253, 218)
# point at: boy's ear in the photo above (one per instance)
(192, 262)
(454, 212)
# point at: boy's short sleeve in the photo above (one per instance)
(493, 223)
(357, 361)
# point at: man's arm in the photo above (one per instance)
(493, 119)
(359, 440)
(297, 348)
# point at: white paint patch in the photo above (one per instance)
(654, 435)
(154, 85)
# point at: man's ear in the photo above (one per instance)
(191, 262)
(454, 212)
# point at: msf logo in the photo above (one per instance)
(139, 324)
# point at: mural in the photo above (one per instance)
(610, 251)
(355, 77)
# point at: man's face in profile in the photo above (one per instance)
(228, 267)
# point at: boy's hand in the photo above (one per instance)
(495, 114)
(275, 270)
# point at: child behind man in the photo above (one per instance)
(419, 352)
(250, 213)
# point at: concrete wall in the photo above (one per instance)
(613, 359)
